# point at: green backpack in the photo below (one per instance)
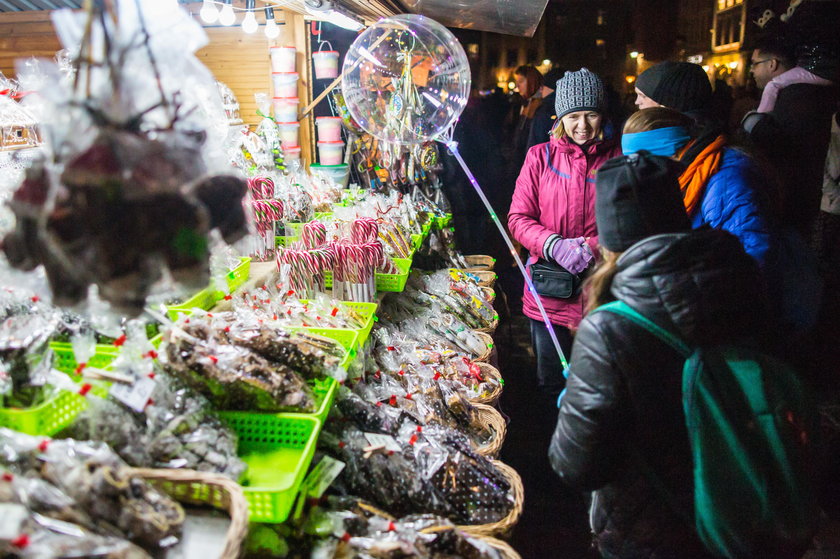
(749, 423)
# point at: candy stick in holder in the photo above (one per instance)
(267, 211)
(314, 235)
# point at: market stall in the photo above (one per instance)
(247, 303)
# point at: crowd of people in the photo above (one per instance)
(707, 235)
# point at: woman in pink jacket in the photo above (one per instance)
(553, 210)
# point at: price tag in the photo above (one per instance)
(12, 517)
(322, 476)
(389, 442)
(136, 395)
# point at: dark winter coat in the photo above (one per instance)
(794, 137)
(623, 403)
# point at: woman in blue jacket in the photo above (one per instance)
(722, 187)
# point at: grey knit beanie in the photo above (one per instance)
(579, 91)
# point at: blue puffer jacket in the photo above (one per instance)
(732, 201)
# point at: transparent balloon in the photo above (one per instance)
(406, 79)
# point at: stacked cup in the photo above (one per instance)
(330, 146)
(285, 100)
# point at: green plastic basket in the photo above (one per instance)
(205, 299)
(365, 310)
(441, 222)
(349, 339)
(384, 282)
(47, 419)
(280, 241)
(278, 449)
(239, 275)
(324, 391)
(65, 359)
(417, 241)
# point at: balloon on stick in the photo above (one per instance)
(406, 80)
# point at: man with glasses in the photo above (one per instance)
(791, 128)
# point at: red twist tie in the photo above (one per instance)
(35, 299)
(378, 404)
(228, 297)
(152, 354)
(42, 446)
(227, 329)
(401, 372)
(391, 348)
(149, 403)
(187, 321)
(290, 292)
(391, 527)
(289, 312)
(274, 317)
(119, 341)
(408, 396)
(210, 314)
(80, 367)
(393, 400)
(334, 311)
(437, 376)
(214, 359)
(21, 541)
(7, 476)
(85, 389)
(412, 440)
(151, 376)
(341, 444)
(345, 538)
(390, 453)
(419, 428)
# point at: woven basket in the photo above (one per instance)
(479, 262)
(503, 526)
(485, 278)
(489, 294)
(504, 548)
(487, 419)
(487, 340)
(488, 371)
(506, 551)
(490, 329)
(205, 489)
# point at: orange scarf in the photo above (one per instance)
(694, 178)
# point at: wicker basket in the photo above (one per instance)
(490, 329)
(487, 340)
(504, 548)
(479, 262)
(485, 278)
(487, 419)
(205, 489)
(488, 371)
(503, 526)
(489, 294)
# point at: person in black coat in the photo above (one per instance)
(792, 131)
(621, 416)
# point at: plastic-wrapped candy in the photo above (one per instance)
(176, 429)
(358, 532)
(40, 536)
(100, 483)
(25, 359)
(430, 469)
(279, 307)
(127, 191)
(239, 363)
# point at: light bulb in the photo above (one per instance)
(209, 12)
(249, 22)
(272, 31)
(227, 17)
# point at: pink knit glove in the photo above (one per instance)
(573, 254)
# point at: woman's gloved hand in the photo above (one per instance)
(573, 254)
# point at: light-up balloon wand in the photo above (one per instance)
(406, 80)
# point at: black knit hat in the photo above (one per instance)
(681, 86)
(637, 196)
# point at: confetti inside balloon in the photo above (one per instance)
(406, 79)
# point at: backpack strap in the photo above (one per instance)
(623, 309)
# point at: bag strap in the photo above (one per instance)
(623, 309)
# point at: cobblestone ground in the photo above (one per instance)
(554, 522)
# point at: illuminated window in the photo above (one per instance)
(600, 19)
(600, 42)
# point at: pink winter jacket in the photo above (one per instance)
(555, 193)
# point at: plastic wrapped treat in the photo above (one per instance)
(100, 483)
(177, 428)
